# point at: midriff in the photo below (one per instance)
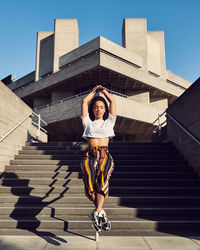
(93, 142)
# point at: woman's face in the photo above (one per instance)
(99, 110)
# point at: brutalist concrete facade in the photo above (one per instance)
(135, 71)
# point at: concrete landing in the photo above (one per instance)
(19, 242)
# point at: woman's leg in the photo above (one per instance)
(106, 167)
(99, 202)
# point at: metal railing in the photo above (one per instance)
(76, 96)
(159, 126)
(38, 125)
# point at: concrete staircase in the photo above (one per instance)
(152, 189)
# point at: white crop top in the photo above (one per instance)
(98, 128)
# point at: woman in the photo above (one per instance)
(97, 165)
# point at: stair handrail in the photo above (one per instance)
(176, 122)
(76, 96)
(184, 129)
(32, 114)
(159, 126)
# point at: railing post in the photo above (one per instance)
(39, 126)
(159, 125)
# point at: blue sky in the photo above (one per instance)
(21, 19)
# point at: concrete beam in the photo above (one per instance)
(123, 68)
(104, 44)
(125, 108)
(113, 58)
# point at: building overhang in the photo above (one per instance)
(101, 60)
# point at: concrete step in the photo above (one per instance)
(65, 223)
(76, 167)
(119, 162)
(152, 188)
(111, 144)
(122, 212)
(115, 174)
(113, 152)
(44, 190)
(113, 149)
(193, 182)
(123, 200)
(115, 157)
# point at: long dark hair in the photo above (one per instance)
(93, 101)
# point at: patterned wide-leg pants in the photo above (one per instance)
(97, 166)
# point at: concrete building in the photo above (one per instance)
(135, 73)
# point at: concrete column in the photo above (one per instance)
(150, 45)
(66, 38)
(134, 37)
(156, 53)
(44, 54)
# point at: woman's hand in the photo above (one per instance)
(95, 89)
(101, 88)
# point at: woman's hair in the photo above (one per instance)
(93, 101)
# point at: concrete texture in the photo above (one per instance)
(137, 68)
(66, 38)
(148, 44)
(134, 37)
(44, 54)
(83, 59)
(29, 78)
(129, 111)
(16, 242)
(13, 110)
(125, 108)
(153, 55)
(186, 111)
(159, 36)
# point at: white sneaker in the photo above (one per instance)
(97, 225)
(105, 223)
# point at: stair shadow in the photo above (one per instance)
(34, 222)
(160, 227)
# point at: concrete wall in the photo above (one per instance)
(66, 38)
(153, 55)
(13, 110)
(159, 36)
(44, 54)
(22, 81)
(52, 45)
(105, 44)
(125, 108)
(148, 44)
(40, 101)
(57, 95)
(134, 36)
(186, 109)
(139, 95)
(159, 103)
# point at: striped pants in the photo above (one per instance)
(97, 167)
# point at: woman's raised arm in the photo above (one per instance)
(111, 100)
(86, 100)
